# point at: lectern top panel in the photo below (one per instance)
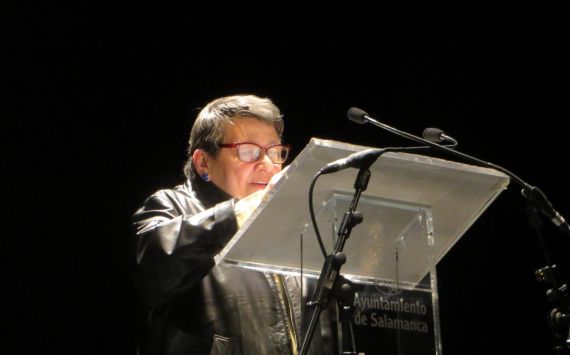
(433, 200)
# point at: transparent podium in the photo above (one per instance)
(415, 208)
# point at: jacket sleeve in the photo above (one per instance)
(176, 240)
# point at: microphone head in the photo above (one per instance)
(357, 115)
(433, 134)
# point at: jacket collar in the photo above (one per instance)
(208, 193)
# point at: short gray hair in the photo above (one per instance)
(208, 129)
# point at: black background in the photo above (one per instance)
(102, 99)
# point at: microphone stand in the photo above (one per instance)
(331, 283)
(537, 205)
(557, 294)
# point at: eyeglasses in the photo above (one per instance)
(251, 152)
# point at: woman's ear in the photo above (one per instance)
(200, 160)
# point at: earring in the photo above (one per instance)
(205, 177)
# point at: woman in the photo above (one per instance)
(188, 304)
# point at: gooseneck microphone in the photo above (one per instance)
(431, 135)
(436, 135)
(535, 196)
(364, 158)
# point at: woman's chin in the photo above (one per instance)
(254, 187)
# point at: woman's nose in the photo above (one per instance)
(265, 163)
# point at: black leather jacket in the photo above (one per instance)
(188, 305)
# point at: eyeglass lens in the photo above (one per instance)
(251, 153)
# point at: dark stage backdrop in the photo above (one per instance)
(102, 100)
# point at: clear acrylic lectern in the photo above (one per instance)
(415, 208)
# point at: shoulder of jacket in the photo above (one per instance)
(168, 195)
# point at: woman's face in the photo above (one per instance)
(238, 178)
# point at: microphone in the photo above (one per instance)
(433, 134)
(436, 135)
(361, 117)
(361, 159)
(535, 197)
(357, 115)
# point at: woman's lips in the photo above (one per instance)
(259, 183)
